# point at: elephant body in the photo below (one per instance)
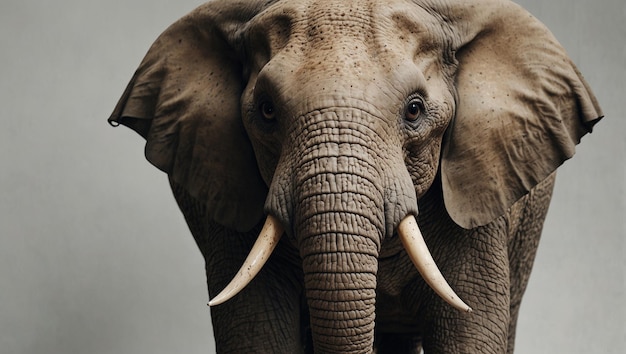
(408, 314)
(346, 135)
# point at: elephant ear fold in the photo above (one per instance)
(522, 106)
(184, 99)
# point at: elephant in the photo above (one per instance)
(361, 176)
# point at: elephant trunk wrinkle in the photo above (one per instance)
(341, 301)
(339, 251)
(339, 223)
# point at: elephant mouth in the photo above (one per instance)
(409, 234)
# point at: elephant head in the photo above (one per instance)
(334, 117)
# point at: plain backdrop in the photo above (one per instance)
(96, 258)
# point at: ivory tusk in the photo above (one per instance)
(414, 244)
(260, 253)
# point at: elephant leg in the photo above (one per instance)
(526, 222)
(475, 263)
(265, 316)
(483, 281)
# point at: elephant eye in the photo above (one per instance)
(414, 109)
(267, 110)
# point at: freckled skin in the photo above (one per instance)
(340, 118)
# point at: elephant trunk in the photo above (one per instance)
(341, 293)
(339, 240)
(345, 202)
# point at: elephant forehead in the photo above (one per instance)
(350, 39)
(378, 28)
(331, 21)
(346, 27)
(317, 20)
(365, 49)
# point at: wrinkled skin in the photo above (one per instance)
(340, 119)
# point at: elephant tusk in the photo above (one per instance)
(414, 244)
(260, 253)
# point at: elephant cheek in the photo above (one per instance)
(422, 164)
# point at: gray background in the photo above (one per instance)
(96, 258)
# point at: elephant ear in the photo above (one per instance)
(522, 106)
(184, 99)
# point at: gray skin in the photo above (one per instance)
(340, 119)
